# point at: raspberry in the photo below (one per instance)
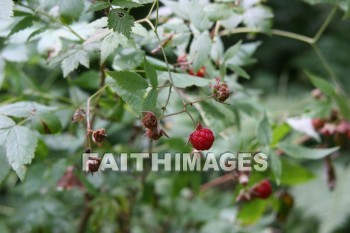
(221, 91)
(318, 123)
(262, 190)
(155, 133)
(202, 138)
(98, 136)
(149, 120)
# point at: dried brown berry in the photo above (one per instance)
(93, 164)
(221, 91)
(98, 136)
(149, 120)
(318, 123)
(79, 115)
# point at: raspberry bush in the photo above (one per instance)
(122, 76)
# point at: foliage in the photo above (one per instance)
(105, 63)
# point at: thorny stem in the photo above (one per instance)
(37, 12)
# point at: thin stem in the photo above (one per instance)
(276, 32)
(167, 100)
(200, 100)
(53, 19)
(172, 114)
(325, 24)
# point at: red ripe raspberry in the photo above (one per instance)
(202, 138)
(221, 91)
(98, 136)
(155, 133)
(149, 120)
(262, 190)
(318, 123)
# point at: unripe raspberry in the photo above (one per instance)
(98, 136)
(202, 138)
(221, 91)
(149, 120)
(262, 190)
(155, 133)
(318, 123)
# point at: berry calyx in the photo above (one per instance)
(202, 138)
(221, 91)
(155, 133)
(149, 120)
(262, 190)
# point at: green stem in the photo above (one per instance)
(325, 24)
(53, 19)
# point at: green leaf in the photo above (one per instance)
(20, 148)
(98, 5)
(321, 84)
(252, 211)
(294, 173)
(258, 17)
(110, 43)
(217, 11)
(36, 32)
(200, 50)
(125, 4)
(263, 133)
(184, 80)
(150, 102)
(67, 8)
(329, 90)
(24, 109)
(71, 62)
(198, 17)
(26, 22)
(120, 21)
(133, 98)
(279, 133)
(6, 9)
(301, 152)
(47, 123)
(151, 73)
(232, 51)
(5, 125)
(128, 80)
(4, 167)
(238, 70)
(276, 166)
